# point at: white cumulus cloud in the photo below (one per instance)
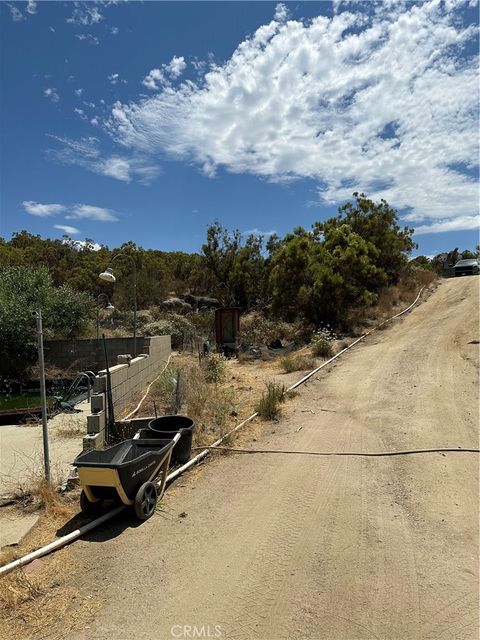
(81, 113)
(42, 210)
(88, 37)
(158, 78)
(86, 153)
(154, 79)
(51, 93)
(31, 7)
(379, 97)
(76, 211)
(85, 15)
(457, 223)
(281, 12)
(17, 15)
(176, 66)
(90, 212)
(87, 244)
(67, 228)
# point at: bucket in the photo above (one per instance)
(167, 427)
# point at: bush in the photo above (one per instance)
(268, 407)
(301, 332)
(204, 323)
(179, 327)
(23, 290)
(210, 406)
(297, 362)
(322, 343)
(256, 329)
(215, 368)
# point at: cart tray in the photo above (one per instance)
(122, 468)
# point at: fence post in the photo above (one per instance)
(43, 394)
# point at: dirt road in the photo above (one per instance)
(288, 546)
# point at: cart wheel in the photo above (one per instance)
(90, 508)
(146, 501)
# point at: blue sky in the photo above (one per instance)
(148, 121)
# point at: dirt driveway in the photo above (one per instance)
(342, 548)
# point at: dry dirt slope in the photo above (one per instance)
(335, 548)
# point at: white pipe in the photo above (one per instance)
(132, 413)
(107, 516)
(70, 537)
(203, 453)
(60, 542)
(312, 373)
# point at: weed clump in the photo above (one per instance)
(297, 362)
(322, 343)
(215, 368)
(268, 407)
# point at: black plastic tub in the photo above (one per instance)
(167, 427)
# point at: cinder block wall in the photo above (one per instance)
(127, 381)
(82, 355)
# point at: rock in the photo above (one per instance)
(34, 566)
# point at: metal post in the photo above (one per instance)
(134, 309)
(98, 323)
(43, 393)
(130, 257)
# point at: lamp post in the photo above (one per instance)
(108, 276)
(108, 305)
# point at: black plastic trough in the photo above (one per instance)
(167, 427)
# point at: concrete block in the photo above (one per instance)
(96, 422)
(93, 441)
(124, 358)
(100, 384)
(117, 368)
(97, 403)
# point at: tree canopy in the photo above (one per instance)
(317, 274)
(23, 290)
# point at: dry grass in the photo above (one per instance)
(212, 405)
(297, 362)
(70, 429)
(32, 492)
(390, 301)
(40, 600)
(269, 406)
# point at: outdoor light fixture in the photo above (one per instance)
(108, 276)
(108, 307)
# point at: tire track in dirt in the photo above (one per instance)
(328, 549)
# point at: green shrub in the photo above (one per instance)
(23, 290)
(300, 332)
(268, 407)
(177, 326)
(322, 344)
(256, 329)
(215, 368)
(204, 323)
